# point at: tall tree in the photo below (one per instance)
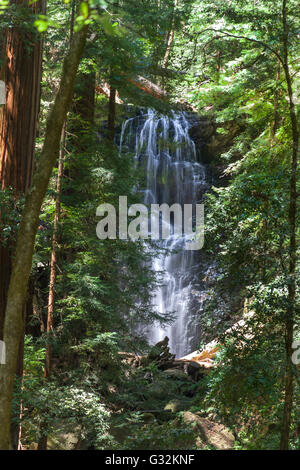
(56, 222)
(28, 226)
(290, 313)
(252, 30)
(21, 71)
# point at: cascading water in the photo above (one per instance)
(165, 150)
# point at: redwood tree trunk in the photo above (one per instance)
(21, 72)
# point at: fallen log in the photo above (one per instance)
(140, 82)
(149, 87)
(206, 357)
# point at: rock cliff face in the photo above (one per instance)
(209, 142)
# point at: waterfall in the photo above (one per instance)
(164, 149)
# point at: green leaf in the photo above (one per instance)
(41, 25)
(84, 9)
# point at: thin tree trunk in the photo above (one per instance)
(112, 95)
(111, 114)
(290, 314)
(28, 226)
(53, 260)
(168, 49)
(219, 64)
(170, 39)
(275, 114)
(42, 443)
(16, 427)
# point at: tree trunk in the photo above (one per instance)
(275, 105)
(170, 37)
(16, 429)
(79, 127)
(21, 73)
(28, 226)
(54, 251)
(290, 314)
(53, 260)
(111, 114)
(149, 87)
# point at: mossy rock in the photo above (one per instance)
(176, 405)
(177, 374)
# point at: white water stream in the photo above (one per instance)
(163, 147)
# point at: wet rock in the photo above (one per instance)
(193, 370)
(201, 132)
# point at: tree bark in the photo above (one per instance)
(170, 38)
(111, 114)
(21, 73)
(290, 314)
(275, 105)
(149, 87)
(28, 226)
(53, 260)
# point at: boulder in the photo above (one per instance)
(176, 405)
(192, 369)
(148, 417)
(159, 389)
(167, 365)
(66, 441)
(208, 433)
(177, 374)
